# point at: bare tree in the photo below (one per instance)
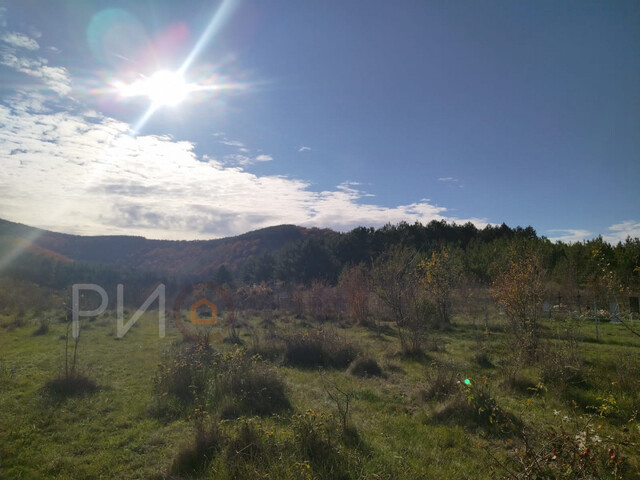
(394, 281)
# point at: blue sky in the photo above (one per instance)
(330, 114)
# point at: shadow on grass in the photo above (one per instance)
(75, 385)
(491, 419)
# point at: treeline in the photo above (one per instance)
(570, 270)
(34, 282)
(482, 253)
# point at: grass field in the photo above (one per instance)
(417, 420)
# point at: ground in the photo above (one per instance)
(402, 433)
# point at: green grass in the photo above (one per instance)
(110, 433)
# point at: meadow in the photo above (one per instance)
(460, 410)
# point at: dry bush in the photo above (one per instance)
(257, 297)
(318, 348)
(353, 283)
(393, 279)
(474, 407)
(312, 446)
(569, 448)
(249, 386)
(233, 384)
(365, 367)
(272, 350)
(519, 290)
(193, 459)
(322, 302)
(43, 327)
(441, 381)
(318, 438)
(561, 361)
(482, 359)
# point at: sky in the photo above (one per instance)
(206, 119)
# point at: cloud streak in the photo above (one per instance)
(12, 55)
(618, 232)
(86, 175)
(19, 40)
(569, 235)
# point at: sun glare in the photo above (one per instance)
(167, 88)
(163, 88)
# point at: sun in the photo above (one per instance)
(163, 88)
(167, 88)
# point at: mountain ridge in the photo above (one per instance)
(201, 257)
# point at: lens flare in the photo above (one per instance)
(162, 88)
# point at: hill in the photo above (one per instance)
(198, 257)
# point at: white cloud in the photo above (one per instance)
(569, 235)
(304, 149)
(616, 233)
(55, 78)
(452, 181)
(242, 157)
(20, 40)
(64, 172)
(620, 231)
(232, 143)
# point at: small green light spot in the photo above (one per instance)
(467, 381)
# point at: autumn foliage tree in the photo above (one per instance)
(519, 289)
(393, 279)
(440, 274)
(353, 283)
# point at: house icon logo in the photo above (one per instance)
(201, 308)
(203, 312)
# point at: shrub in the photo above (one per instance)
(441, 381)
(519, 290)
(628, 373)
(561, 365)
(311, 447)
(571, 449)
(43, 327)
(481, 358)
(272, 351)
(322, 302)
(184, 371)
(353, 283)
(318, 439)
(267, 346)
(394, 282)
(319, 348)
(193, 459)
(365, 367)
(19, 320)
(233, 384)
(251, 386)
(474, 407)
(520, 384)
(248, 444)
